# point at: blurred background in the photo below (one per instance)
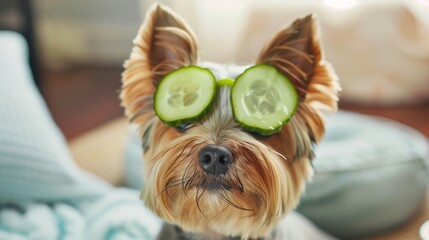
(76, 50)
(380, 49)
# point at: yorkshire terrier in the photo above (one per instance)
(246, 183)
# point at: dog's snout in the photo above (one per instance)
(215, 159)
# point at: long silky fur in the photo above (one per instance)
(163, 43)
(296, 51)
(259, 189)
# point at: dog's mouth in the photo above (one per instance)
(213, 184)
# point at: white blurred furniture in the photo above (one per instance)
(379, 48)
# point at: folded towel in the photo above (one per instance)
(35, 163)
(119, 215)
(40, 221)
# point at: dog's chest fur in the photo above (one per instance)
(173, 232)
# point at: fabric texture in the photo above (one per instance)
(133, 156)
(118, 215)
(295, 226)
(372, 173)
(35, 163)
(408, 231)
(44, 195)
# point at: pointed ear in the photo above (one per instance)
(163, 43)
(296, 52)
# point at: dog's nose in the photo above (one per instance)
(215, 159)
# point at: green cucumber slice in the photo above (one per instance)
(263, 99)
(184, 95)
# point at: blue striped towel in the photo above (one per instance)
(118, 215)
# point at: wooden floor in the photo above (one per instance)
(413, 115)
(83, 97)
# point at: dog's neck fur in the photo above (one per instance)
(173, 232)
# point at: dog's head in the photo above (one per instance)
(211, 176)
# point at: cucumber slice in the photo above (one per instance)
(184, 95)
(263, 99)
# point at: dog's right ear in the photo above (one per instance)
(163, 43)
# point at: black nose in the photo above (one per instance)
(215, 159)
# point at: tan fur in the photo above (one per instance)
(163, 43)
(296, 51)
(264, 185)
(268, 175)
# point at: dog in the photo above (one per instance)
(264, 176)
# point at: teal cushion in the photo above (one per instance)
(371, 175)
(133, 178)
(35, 163)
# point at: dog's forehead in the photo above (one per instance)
(224, 70)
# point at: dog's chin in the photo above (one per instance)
(214, 185)
(213, 211)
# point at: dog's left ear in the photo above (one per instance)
(164, 43)
(296, 52)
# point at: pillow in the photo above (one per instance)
(133, 177)
(35, 164)
(371, 176)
